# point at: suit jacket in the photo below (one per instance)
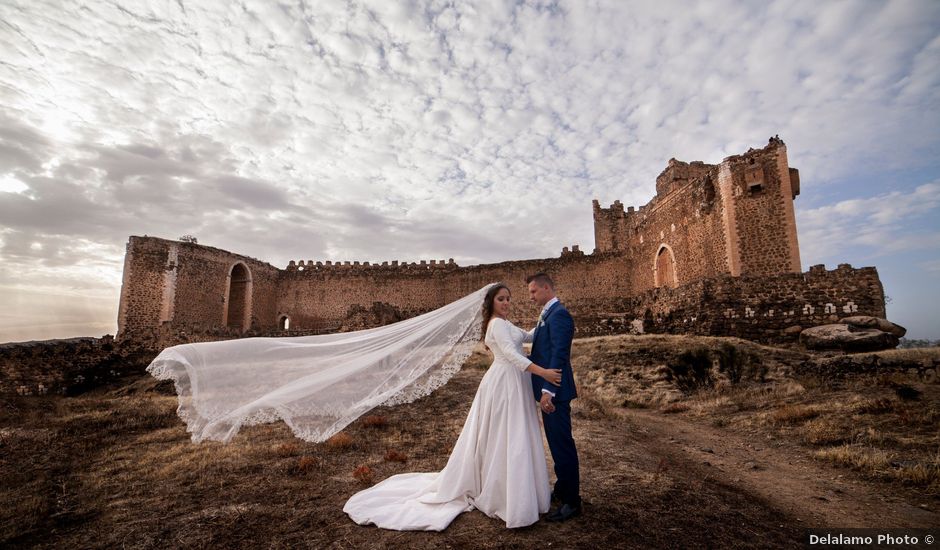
(551, 349)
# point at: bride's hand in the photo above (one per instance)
(552, 375)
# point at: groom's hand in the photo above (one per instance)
(546, 404)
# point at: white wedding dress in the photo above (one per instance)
(497, 465)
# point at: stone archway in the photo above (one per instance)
(238, 298)
(283, 322)
(664, 268)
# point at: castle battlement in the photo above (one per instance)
(329, 265)
(730, 223)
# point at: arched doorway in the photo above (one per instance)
(283, 323)
(664, 268)
(238, 300)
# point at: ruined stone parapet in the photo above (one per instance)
(331, 266)
(574, 251)
(677, 174)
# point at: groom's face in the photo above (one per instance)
(540, 294)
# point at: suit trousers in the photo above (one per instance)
(564, 454)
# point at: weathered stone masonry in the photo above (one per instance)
(714, 252)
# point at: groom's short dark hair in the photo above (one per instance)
(541, 278)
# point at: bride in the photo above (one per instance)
(498, 463)
(319, 384)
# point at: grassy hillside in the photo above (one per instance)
(115, 466)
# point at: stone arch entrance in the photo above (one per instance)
(238, 298)
(283, 322)
(664, 268)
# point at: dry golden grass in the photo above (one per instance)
(824, 432)
(793, 414)
(286, 449)
(867, 459)
(886, 400)
(879, 463)
(339, 441)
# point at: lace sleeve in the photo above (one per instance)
(502, 335)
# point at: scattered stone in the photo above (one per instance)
(865, 322)
(844, 338)
(707, 450)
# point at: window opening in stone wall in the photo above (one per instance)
(238, 295)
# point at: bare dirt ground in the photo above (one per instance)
(701, 467)
(814, 494)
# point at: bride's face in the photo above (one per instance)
(501, 303)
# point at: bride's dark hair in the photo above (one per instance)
(488, 306)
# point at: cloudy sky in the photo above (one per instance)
(372, 131)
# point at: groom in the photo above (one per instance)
(551, 349)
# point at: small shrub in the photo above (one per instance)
(866, 460)
(822, 432)
(374, 421)
(306, 464)
(792, 414)
(363, 474)
(739, 365)
(286, 449)
(691, 370)
(392, 455)
(342, 440)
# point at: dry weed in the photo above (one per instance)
(375, 421)
(918, 416)
(873, 406)
(823, 432)
(865, 459)
(363, 474)
(392, 455)
(793, 414)
(286, 450)
(342, 440)
(306, 463)
(882, 464)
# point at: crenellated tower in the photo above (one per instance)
(732, 218)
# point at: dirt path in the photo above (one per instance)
(781, 474)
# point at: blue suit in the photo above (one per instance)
(551, 349)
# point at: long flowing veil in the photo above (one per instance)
(317, 384)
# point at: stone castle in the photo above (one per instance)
(715, 252)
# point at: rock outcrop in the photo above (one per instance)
(854, 334)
